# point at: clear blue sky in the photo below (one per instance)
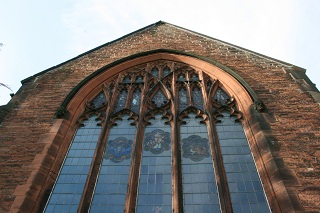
(38, 34)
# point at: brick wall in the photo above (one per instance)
(294, 127)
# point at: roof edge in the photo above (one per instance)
(156, 24)
(89, 51)
(241, 48)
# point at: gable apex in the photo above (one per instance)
(163, 28)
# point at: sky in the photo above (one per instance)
(37, 34)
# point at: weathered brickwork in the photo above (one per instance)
(292, 115)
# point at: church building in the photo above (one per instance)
(163, 119)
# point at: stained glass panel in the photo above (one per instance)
(139, 79)
(69, 186)
(244, 183)
(159, 98)
(166, 71)
(155, 72)
(200, 192)
(183, 99)
(197, 98)
(126, 80)
(122, 100)
(111, 187)
(135, 103)
(181, 77)
(194, 77)
(99, 100)
(155, 192)
(221, 97)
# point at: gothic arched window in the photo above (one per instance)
(159, 136)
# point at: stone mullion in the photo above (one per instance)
(204, 91)
(113, 100)
(189, 89)
(193, 85)
(129, 96)
(133, 183)
(177, 197)
(223, 190)
(224, 195)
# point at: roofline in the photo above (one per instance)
(89, 51)
(155, 24)
(241, 48)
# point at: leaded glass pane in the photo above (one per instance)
(155, 192)
(155, 72)
(122, 100)
(245, 187)
(139, 79)
(221, 97)
(111, 187)
(159, 98)
(181, 77)
(200, 192)
(183, 99)
(135, 103)
(68, 189)
(166, 71)
(197, 98)
(99, 100)
(126, 80)
(194, 77)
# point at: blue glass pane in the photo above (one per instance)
(199, 184)
(111, 187)
(122, 100)
(67, 192)
(135, 103)
(126, 80)
(166, 71)
(159, 98)
(181, 77)
(99, 100)
(155, 72)
(197, 98)
(183, 99)
(155, 192)
(139, 79)
(245, 187)
(194, 77)
(221, 97)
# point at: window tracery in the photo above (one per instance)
(150, 109)
(159, 99)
